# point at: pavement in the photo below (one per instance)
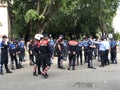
(107, 78)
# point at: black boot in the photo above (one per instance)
(8, 71)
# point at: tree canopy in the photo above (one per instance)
(67, 17)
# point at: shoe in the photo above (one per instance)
(8, 72)
(68, 68)
(73, 68)
(1, 73)
(17, 68)
(45, 76)
(39, 72)
(22, 66)
(93, 68)
(101, 66)
(62, 67)
(12, 68)
(34, 74)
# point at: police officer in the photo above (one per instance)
(107, 45)
(91, 46)
(72, 45)
(36, 52)
(4, 55)
(102, 49)
(45, 55)
(30, 50)
(85, 45)
(52, 43)
(21, 52)
(59, 49)
(79, 53)
(13, 51)
(113, 47)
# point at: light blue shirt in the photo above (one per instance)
(102, 46)
(107, 45)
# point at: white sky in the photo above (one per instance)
(116, 21)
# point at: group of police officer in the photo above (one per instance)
(15, 49)
(91, 48)
(44, 48)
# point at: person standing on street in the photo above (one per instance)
(45, 55)
(79, 53)
(59, 48)
(4, 55)
(13, 51)
(72, 46)
(91, 47)
(113, 48)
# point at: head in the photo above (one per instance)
(60, 36)
(46, 36)
(102, 38)
(4, 38)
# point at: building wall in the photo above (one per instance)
(4, 20)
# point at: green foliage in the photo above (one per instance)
(116, 36)
(31, 15)
(68, 17)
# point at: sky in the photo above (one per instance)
(116, 21)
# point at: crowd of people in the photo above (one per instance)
(43, 48)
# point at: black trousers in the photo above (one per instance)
(113, 55)
(38, 62)
(90, 58)
(79, 55)
(102, 56)
(72, 59)
(13, 58)
(4, 61)
(86, 55)
(106, 57)
(60, 58)
(45, 62)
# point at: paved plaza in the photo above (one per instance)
(107, 78)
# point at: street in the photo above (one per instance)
(107, 78)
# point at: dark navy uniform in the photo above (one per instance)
(38, 62)
(113, 45)
(4, 55)
(72, 45)
(21, 52)
(90, 53)
(79, 53)
(45, 55)
(31, 56)
(59, 48)
(13, 51)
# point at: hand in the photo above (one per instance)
(74, 52)
(68, 52)
(52, 57)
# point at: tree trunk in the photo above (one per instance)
(100, 18)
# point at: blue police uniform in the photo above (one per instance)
(107, 47)
(79, 53)
(113, 45)
(65, 50)
(13, 50)
(4, 56)
(90, 51)
(85, 44)
(102, 49)
(22, 53)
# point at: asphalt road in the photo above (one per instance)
(107, 78)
